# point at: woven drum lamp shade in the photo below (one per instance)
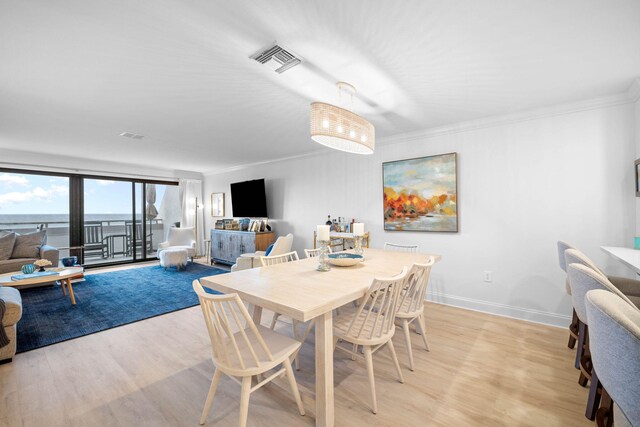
(341, 129)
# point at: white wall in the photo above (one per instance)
(522, 186)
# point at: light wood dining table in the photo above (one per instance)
(297, 290)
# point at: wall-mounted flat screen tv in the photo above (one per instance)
(248, 199)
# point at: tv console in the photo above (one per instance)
(228, 245)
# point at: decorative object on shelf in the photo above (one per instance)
(42, 263)
(244, 224)
(344, 259)
(69, 261)
(219, 224)
(339, 128)
(323, 241)
(28, 268)
(421, 194)
(358, 232)
(217, 204)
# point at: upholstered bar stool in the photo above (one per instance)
(629, 287)
(573, 327)
(615, 350)
(582, 280)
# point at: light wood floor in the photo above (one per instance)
(482, 370)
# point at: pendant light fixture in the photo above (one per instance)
(342, 129)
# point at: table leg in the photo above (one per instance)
(324, 370)
(257, 313)
(71, 295)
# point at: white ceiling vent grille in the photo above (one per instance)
(277, 58)
(131, 135)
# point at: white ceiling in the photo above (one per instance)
(76, 74)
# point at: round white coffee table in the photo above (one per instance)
(64, 276)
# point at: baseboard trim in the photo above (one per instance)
(521, 313)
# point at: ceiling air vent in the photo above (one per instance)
(131, 135)
(277, 58)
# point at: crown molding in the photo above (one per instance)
(265, 162)
(521, 116)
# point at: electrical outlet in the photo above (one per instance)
(488, 276)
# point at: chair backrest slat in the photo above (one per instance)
(244, 335)
(312, 253)
(395, 247)
(375, 316)
(232, 331)
(230, 335)
(279, 259)
(411, 301)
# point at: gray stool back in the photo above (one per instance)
(562, 247)
(573, 255)
(584, 279)
(614, 331)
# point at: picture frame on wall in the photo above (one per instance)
(217, 204)
(421, 194)
(637, 167)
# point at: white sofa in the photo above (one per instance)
(180, 238)
(252, 260)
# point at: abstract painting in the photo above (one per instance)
(421, 194)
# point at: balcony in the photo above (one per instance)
(115, 237)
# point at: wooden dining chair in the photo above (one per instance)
(411, 303)
(400, 248)
(312, 253)
(281, 259)
(266, 261)
(371, 325)
(243, 350)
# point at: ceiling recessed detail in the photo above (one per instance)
(131, 135)
(277, 58)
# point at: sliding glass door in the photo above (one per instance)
(101, 220)
(108, 213)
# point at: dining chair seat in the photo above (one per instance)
(281, 347)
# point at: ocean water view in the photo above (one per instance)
(57, 220)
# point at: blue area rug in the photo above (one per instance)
(104, 301)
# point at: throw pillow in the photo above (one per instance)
(269, 249)
(28, 245)
(6, 245)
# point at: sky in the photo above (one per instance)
(427, 176)
(22, 194)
